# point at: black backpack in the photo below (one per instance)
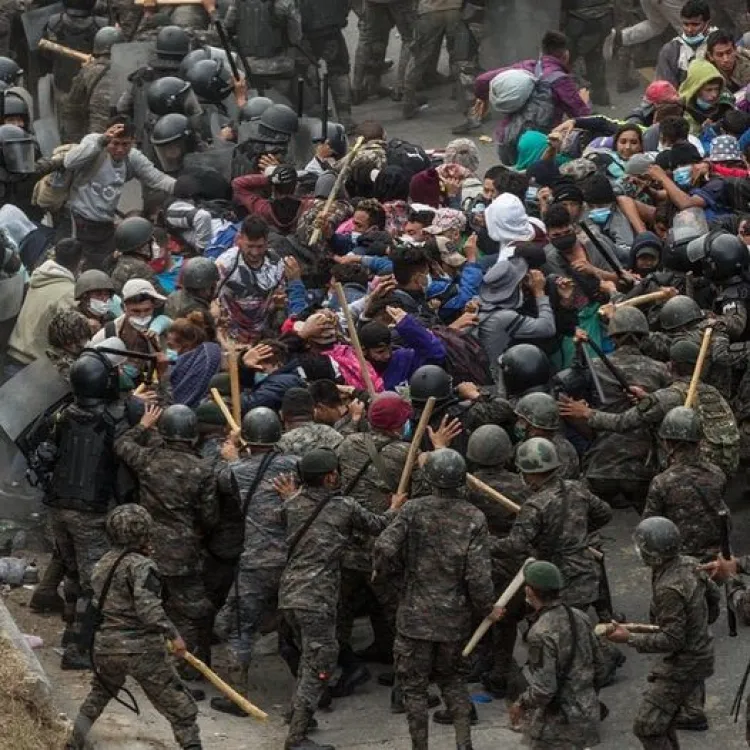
(465, 358)
(410, 157)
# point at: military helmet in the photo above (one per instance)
(524, 366)
(445, 468)
(93, 379)
(539, 410)
(628, 320)
(684, 352)
(537, 456)
(430, 380)
(678, 312)
(170, 128)
(105, 38)
(10, 71)
(132, 234)
(723, 255)
(15, 105)
(68, 328)
(681, 424)
(167, 95)
(657, 539)
(335, 136)
(254, 108)
(129, 526)
(79, 8)
(172, 42)
(192, 57)
(92, 280)
(543, 576)
(277, 124)
(199, 273)
(317, 462)
(211, 80)
(261, 426)
(18, 150)
(179, 423)
(489, 445)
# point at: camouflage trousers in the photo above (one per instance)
(189, 608)
(417, 662)
(158, 680)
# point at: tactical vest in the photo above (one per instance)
(77, 34)
(320, 16)
(259, 33)
(732, 298)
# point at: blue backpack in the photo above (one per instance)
(223, 241)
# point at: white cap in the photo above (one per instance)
(137, 287)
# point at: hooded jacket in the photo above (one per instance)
(51, 288)
(675, 58)
(700, 73)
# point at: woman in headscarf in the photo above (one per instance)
(508, 223)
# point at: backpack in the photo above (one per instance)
(465, 358)
(527, 107)
(223, 240)
(410, 157)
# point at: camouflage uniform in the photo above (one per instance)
(570, 463)
(88, 106)
(441, 544)
(181, 303)
(721, 443)
(310, 587)
(304, 438)
(177, 488)
(690, 494)
(9, 10)
(556, 524)
(130, 642)
(681, 603)
(130, 267)
(562, 686)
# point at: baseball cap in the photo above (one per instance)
(138, 287)
(638, 164)
(447, 219)
(449, 253)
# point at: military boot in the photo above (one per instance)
(75, 658)
(45, 599)
(444, 716)
(297, 738)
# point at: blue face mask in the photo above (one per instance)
(355, 236)
(172, 355)
(694, 41)
(531, 194)
(702, 104)
(682, 176)
(600, 215)
(406, 432)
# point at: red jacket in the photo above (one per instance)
(281, 214)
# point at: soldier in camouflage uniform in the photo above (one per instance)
(565, 668)
(134, 626)
(250, 480)
(684, 603)
(441, 546)
(721, 441)
(133, 238)
(301, 433)
(88, 107)
(177, 488)
(538, 416)
(623, 464)
(310, 586)
(690, 492)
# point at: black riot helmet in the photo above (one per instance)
(179, 424)
(254, 108)
(172, 95)
(430, 380)
(278, 123)
(172, 43)
(524, 368)
(93, 379)
(132, 234)
(79, 8)
(15, 106)
(679, 312)
(445, 469)
(211, 80)
(196, 55)
(199, 273)
(105, 38)
(261, 426)
(335, 137)
(172, 138)
(10, 71)
(18, 150)
(723, 255)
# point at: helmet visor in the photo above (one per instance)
(20, 156)
(172, 154)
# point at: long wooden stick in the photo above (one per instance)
(59, 49)
(513, 588)
(315, 237)
(416, 441)
(605, 628)
(355, 340)
(222, 687)
(234, 382)
(698, 371)
(219, 401)
(642, 299)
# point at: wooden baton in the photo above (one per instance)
(411, 456)
(692, 393)
(60, 49)
(234, 382)
(605, 628)
(513, 587)
(355, 339)
(642, 299)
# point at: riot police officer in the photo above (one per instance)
(18, 150)
(270, 134)
(525, 369)
(172, 138)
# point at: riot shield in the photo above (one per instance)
(514, 30)
(126, 58)
(47, 135)
(218, 158)
(11, 296)
(30, 393)
(302, 144)
(35, 22)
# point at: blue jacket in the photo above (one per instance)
(271, 390)
(420, 347)
(467, 285)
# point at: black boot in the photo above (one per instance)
(444, 716)
(45, 599)
(375, 655)
(351, 678)
(298, 728)
(386, 679)
(74, 658)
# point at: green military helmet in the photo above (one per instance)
(105, 38)
(445, 469)
(543, 576)
(489, 445)
(684, 352)
(430, 380)
(539, 410)
(129, 526)
(679, 312)
(318, 462)
(199, 273)
(657, 540)
(172, 43)
(628, 320)
(92, 280)
(132, 234)
(179, 423)
(261, 426)
(681, 424)
(537, 456)
(210, 415)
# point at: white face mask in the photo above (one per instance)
(140, 324)
(98, 306)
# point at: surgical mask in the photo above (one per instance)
(99, 307)
(600, 215)
(140, 324)
(406, 431)
(355, 236)
(532, 194)
(172, 355)
(702, 104)
(694, 41)
(682, 176)
(564, 243)
(260, 377)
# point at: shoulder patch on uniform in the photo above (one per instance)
(153, 583)
(536, 655)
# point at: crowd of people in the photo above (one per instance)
(311, 382)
